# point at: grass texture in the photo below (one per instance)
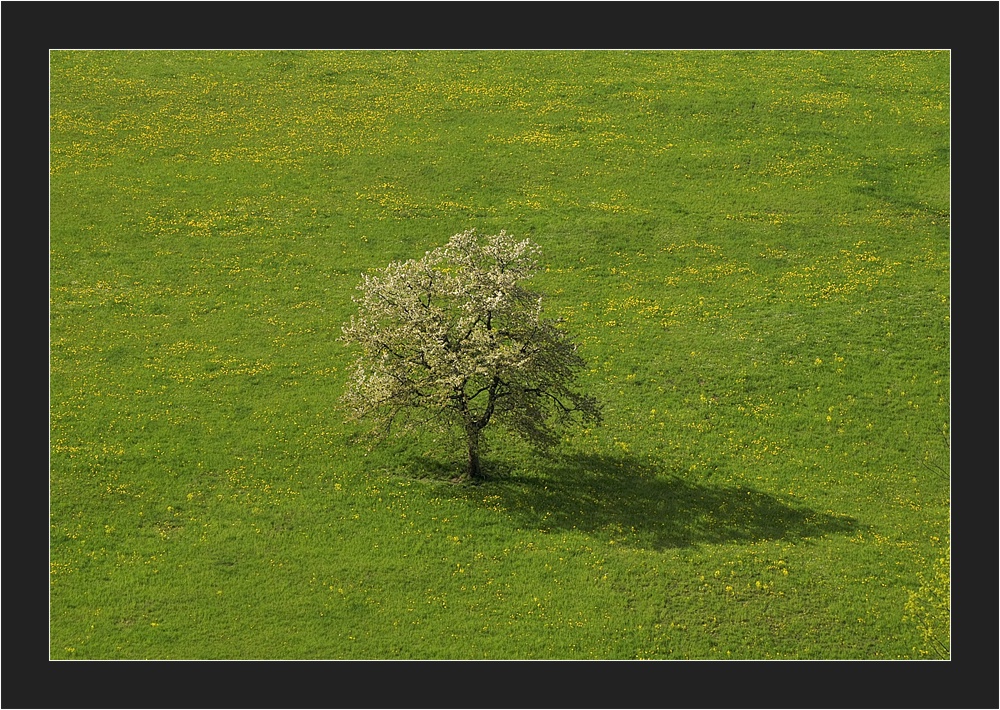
(752, 249)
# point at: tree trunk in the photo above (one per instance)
(474, 471)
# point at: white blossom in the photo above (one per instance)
(454, 340)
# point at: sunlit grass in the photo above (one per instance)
(752, 249)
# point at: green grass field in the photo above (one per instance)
(752, 249)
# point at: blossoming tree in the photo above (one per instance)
(454, 340)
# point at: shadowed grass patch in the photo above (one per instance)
(621, 500)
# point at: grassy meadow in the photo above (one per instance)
(751, 248)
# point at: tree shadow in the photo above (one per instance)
(640, 505)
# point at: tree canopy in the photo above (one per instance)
(454, 340)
